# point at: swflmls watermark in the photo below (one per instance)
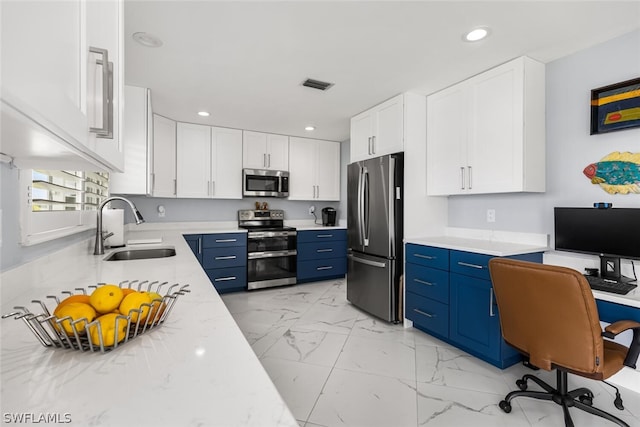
(36, 417)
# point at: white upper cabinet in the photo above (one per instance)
(105, 82)
(487, 134)
(48, 102)
(137, 144)
(163, 177)
(379, 130)
(193, 160)
(226, 163)
(265, 151)
(209, 162)
(314, 169)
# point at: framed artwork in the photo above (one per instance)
(615, 107)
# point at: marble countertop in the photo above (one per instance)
(196, 369)
(487, 247)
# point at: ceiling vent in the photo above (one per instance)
(316, 84)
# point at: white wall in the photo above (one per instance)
(570, 148)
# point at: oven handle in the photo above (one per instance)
(262, 234)
(271, 254)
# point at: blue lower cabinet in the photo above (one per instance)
(459, 291)
(322, 255)
(428, 315)
(228, 279)
(321, 269)
(223, 257)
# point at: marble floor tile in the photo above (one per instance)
(299, 384)
(378, 357)
(308, 346)
(328, 318)
(371, 327)
(356, 399)
(442, 406)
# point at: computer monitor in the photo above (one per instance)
(611, 233)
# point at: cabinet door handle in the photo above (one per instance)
(199, 245)
(491, 313)
(213, 188)
(324, 250)
(423, 282)
(225, 257)
(465, 264)
(470, 177)
(373, 145)
(175, 187)
(369, 145)
(153, 183)
(324, 268)
(268, 160)
(462, 177)
(226, 240)
(264, 159)
(423, 313)
(424, 256)
(224, 279)
(321, 236)
(106, 131)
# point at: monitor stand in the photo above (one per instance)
(610, 269)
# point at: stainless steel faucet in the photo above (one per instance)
(99, 248)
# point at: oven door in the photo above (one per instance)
(268, 269)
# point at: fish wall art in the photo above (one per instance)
(616, 173)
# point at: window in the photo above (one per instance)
(59, 203)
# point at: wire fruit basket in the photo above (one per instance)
(50, 330)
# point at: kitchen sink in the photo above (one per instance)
(131, 254)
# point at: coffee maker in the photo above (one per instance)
(328, 216)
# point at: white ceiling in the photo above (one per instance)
(244, 62)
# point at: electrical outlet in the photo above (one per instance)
(491, 215)
(161, 211)
(312, 209)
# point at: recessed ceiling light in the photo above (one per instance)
(146, 39)
(309, 128)
(203, 113)
(476, 34)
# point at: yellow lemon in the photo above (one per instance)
(73, 298)
(106, 298)
(127, 291)
(75, 310)
(157, 307)
(109, 323)
(134, 301)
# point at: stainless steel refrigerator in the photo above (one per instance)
(374, 232)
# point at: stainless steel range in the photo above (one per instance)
(271, 248)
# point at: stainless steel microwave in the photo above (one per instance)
(265, 183)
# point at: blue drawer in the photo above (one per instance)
(224, 240)
(321, 235)
(427, 282)
(228, 279)
(427, 314)
(224, 257)
(320, 268)
(470, 264)
(322, 250)
(427, 256)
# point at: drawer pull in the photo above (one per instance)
(320, 236)
(465, 264)
(423, 313)
(424, 256)
(226, 240)
(324, 250)
(224, 279)
(423, 282)
(324, 268)
(225, 257)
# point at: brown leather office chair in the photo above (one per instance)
(548, 313)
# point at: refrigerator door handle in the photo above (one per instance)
(367, 262)
(360, 232)
(365, 202)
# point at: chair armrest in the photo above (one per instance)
(634, 349)
(618, 327)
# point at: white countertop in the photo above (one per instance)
(196, 369)
(487, 247)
